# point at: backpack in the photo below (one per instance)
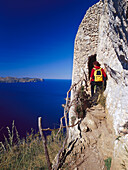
(98, 76)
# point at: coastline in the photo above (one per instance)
(19, 80)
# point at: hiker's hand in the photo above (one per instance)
(90, 81)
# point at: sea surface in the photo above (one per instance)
(25, 102)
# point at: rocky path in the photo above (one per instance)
(90, 149)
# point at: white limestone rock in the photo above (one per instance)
(104, 31)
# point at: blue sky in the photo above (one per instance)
(37, 37)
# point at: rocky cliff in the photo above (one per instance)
(103, 36)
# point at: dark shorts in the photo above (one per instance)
(93, 83)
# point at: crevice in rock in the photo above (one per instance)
(67, 152)
(127, 13)
(91, 59)
(79, 130)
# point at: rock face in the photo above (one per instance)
(103, 36)
(86, 43)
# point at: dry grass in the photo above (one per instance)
(27, 153)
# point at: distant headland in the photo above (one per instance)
(19, 80)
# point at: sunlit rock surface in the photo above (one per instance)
(103, 35)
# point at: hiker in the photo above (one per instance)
(97, 77)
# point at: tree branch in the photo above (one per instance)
(44, 143)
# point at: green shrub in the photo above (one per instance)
(108, 163)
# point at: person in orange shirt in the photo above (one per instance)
(97, 77)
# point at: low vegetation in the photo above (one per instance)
(27, 153)
(108, 163)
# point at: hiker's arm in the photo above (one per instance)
(105, 70)
(91, 76)
(90, 79)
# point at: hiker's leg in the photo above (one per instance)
(104, 85)
(98, 90)
(99, 87)
(92, 88)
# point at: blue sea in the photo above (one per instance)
(25, 102)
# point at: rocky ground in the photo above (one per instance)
(89, 151)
